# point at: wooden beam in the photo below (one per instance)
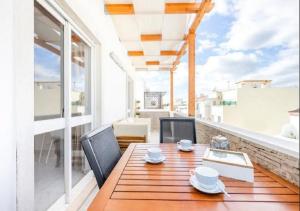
(168, 53)
(162, 53)
(181, 52)
(119, 9)
(152, 63)
(56, 51)
(45, 45)
(181, 8)
(151, 37)
(191, 75)
(75, 38)
(170, 8)
(171, 90)
(209, 7)
(135, 53)
(205, 7)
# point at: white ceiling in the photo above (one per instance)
(149, 18)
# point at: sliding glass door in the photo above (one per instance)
(63, 105)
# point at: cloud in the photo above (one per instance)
(206, 78)
(42, 73)
(155, 80)
(181, 81)
(284, 71)
(223, 7)
(205, 44)
(221, 72)
(236, 63)
(263, 24)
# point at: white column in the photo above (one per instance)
(23, 47)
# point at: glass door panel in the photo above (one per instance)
(81, 86)
(80, 166)
(48, 168)
(48, 65)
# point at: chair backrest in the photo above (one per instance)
(173, 129)
(124, 141)
(102, 151)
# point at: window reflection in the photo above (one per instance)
(80, 77)
(48, 168)
(48, 65)
(80, 165)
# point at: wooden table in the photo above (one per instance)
(137, 186)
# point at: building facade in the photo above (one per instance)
(252, 105)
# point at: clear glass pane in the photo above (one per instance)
(81, 86)
(80, 165)
(227, 156)
(48, 168)
(48, 65)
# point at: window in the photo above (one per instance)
(80, 165)
(48, 168)
(48, 65)
(81, 91)
(62, 90)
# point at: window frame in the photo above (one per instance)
(67, 122)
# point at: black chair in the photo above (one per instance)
(102, 151)
(174, 129)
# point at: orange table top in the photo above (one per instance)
(136, 185)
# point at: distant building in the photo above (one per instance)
(254, 83)
(253, 105)
(180, 105)
(48, 101)
(153, 100)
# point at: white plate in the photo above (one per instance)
(191, 148)
(194, 182)
(151, 160)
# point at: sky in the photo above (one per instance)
(48, 68)
(240, 40)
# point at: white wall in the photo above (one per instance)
(139, 89)
(7, 141)
(230, 95)
(262, 110)
(113, 93)
(16, 107)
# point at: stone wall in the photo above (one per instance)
(279, 163)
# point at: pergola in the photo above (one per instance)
(157, 33)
